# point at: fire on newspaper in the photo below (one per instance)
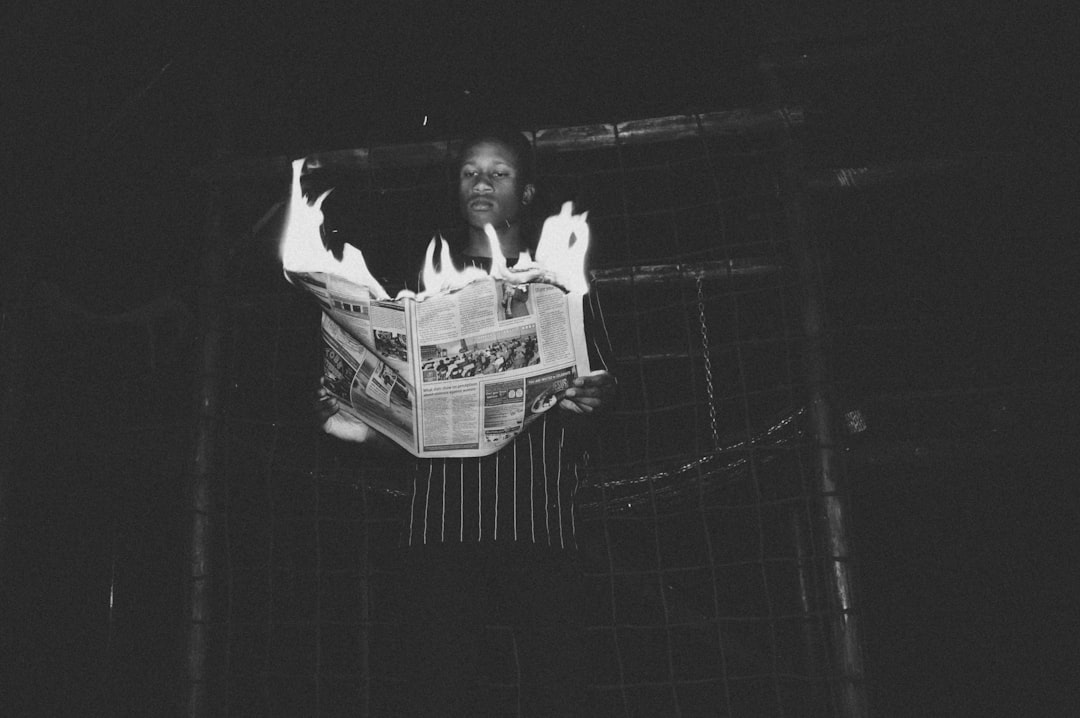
(462, 367)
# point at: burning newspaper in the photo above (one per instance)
(461, 368)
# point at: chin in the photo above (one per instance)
(479, 219)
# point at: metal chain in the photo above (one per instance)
(708, 363)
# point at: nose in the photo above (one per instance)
(482, 184)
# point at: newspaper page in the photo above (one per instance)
(458, 374)
(365, 355)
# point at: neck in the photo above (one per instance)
(511, 241)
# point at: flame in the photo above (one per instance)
(302, 247)
(447, 277)
(563, 246)
(560, 253)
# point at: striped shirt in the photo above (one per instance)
(524, 492)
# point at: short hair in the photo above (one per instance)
(505, 134)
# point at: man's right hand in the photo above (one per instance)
(336, 423)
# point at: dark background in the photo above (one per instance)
(948, 269)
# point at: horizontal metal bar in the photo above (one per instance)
(887, 173)
(684, 272)
(665, 129)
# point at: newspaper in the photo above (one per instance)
(456, 374)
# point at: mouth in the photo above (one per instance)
(481, 205)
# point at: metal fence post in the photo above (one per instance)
(204, 465)
(839, 583)
(209, 390)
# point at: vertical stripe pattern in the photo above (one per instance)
(523, 481)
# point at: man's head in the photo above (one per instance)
(495, 177)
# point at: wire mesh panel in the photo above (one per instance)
(696, 529)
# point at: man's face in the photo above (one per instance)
(490, 190)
